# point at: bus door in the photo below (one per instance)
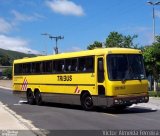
(101, 80)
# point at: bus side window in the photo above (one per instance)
(86, 64)
(53, 66)
(74, 65)
(18, 69)
(89, 64)
(33, 68)
(71, 65)
(59, 66)
(100, 71)
(69, 68)
(68, 65)
(28, 68)
(81, 66)
(48, 66)
(37, 67)
(62, 65)
(43, 67)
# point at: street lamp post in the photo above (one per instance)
(153, 16)
(153, 5)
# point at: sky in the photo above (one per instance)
(81, 22)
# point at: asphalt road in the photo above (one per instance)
(66, 117)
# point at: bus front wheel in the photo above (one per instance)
(30, 97)
(87, 102)
(38, 98)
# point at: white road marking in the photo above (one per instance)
(113, 115)
(16, 104)
(148, 106)
(22, 101)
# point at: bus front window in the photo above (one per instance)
(125, 67)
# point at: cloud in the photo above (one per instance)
(15, 44)
(5, 26)
(65, 7)
(23, 17)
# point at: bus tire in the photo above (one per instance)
(30, 97)
(87, 102)
(38, 98)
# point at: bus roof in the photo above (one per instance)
(98, 51)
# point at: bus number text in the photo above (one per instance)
(64, 78)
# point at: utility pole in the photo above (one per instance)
(153, 17)
(56, 39)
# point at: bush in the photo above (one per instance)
(154, 94)
(7, 73)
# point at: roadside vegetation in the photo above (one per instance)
(154, 94)
(7, 73)
(7, 56)
(6, 59)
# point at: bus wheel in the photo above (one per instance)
(87, 102)
(38, 98)
(30, 97)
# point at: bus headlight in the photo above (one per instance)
(116, 101)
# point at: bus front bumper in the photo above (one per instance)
(122, 100)
(130, 100)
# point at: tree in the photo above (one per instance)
(158, 39)
(5, 60)
(96, 44)
(152, 61)
(7, 72)
(128, 41)
(116, 39)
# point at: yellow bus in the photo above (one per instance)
(110, 77)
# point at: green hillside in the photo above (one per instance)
(7, 56)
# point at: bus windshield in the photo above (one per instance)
(125, 67)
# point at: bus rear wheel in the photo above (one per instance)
(38, 98)
(30, 98)
(87, 102)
